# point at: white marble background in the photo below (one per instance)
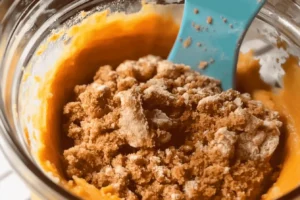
(12, 186)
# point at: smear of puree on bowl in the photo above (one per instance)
(105, 38)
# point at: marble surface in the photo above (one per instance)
(12, 186)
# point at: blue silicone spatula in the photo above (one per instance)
(211, 34)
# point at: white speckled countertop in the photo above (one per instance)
(12, 186)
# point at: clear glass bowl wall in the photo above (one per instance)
(25, 24)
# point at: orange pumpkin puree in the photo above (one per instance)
(286, 102)
(101, 39)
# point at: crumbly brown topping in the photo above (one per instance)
(187, 42)
(197, 27)
(203, 65)
(157, 130)
(209, 20)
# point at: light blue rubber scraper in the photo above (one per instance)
(211, 34)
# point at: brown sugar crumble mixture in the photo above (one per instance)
(196, 11)
(187, 42)
(203, 64)
(209, 20)
(157, 130)
(197, 27)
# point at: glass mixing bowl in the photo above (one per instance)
(25, 25)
